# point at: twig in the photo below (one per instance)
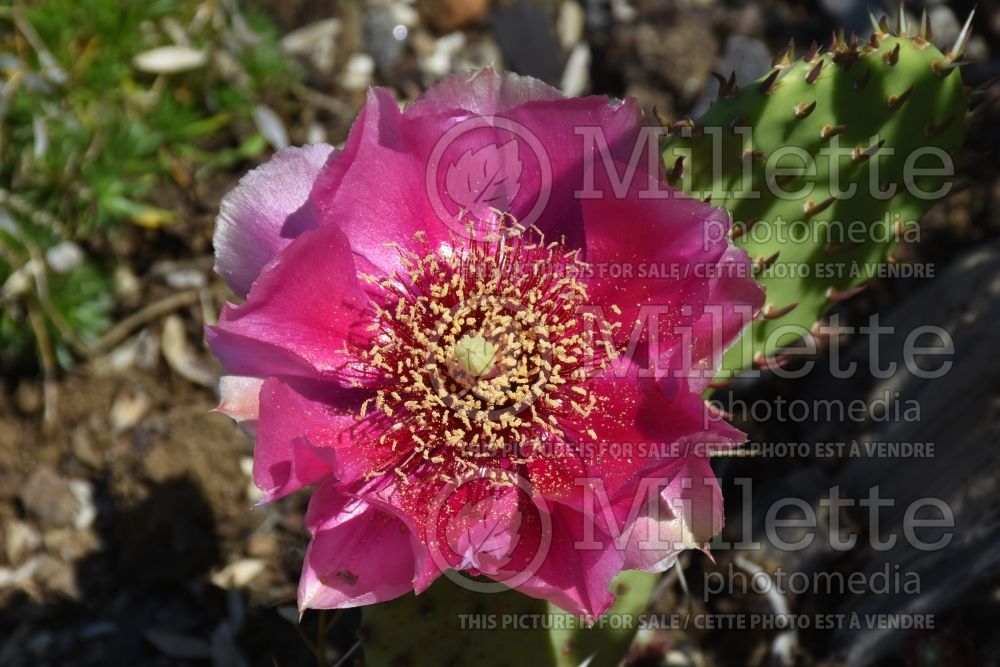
(785, 643)
(121, 330)
(347, 655)
(321, 101)
(48, 363)
(42, 290)
(321, 640)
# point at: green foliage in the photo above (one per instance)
(89, 142)
(896, 109)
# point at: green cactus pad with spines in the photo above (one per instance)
(439, 628)
(881, 103)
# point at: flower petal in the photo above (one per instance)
(307, 305)
(375, 190)
(574, 579)
(264, 212)
(309, 430)
(685, 515)
(643, 427)
(669, 260)
(483, 92)
(358, 555)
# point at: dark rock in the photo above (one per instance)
(528, 41)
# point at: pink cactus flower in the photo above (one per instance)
(477, 329)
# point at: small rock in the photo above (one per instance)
(70, 545)
(262, 544)
(21, 539)
(127, 284)
(129, 408)
(439, 62)
(317, 41)
(84, 448)
(238, 573)
(272, 128)
(20, 577)
(57, 577)
(677, 658)
(29, 397)
(86, 511)
(181, 356)
(141, 350)
(384, 38)
(49, 498)
(170, 60)
(851, 14)
(357, 74)
(570, 24)
(746, 56)
(64, 257)
(254, 494)
(316, 134)
(682, 56)
(483, 52)
(450, 15)
(22, 280)
(944, 25)
(576, 76)
(528, 42)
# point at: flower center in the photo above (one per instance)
(481, 351)
(474, 355)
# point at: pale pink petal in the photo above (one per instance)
(686, 514)
(264, 212)
(484, 92)
(239, 397)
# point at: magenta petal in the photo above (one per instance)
(574, 579)
(375, 189)
(309, 313)
(358, 555)
(735, 301)
(633, 440)
(541, 184)
(484, 533)
(245, 356)
(686, 273)
(308, 430)
(251, 227)
(284, 458)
